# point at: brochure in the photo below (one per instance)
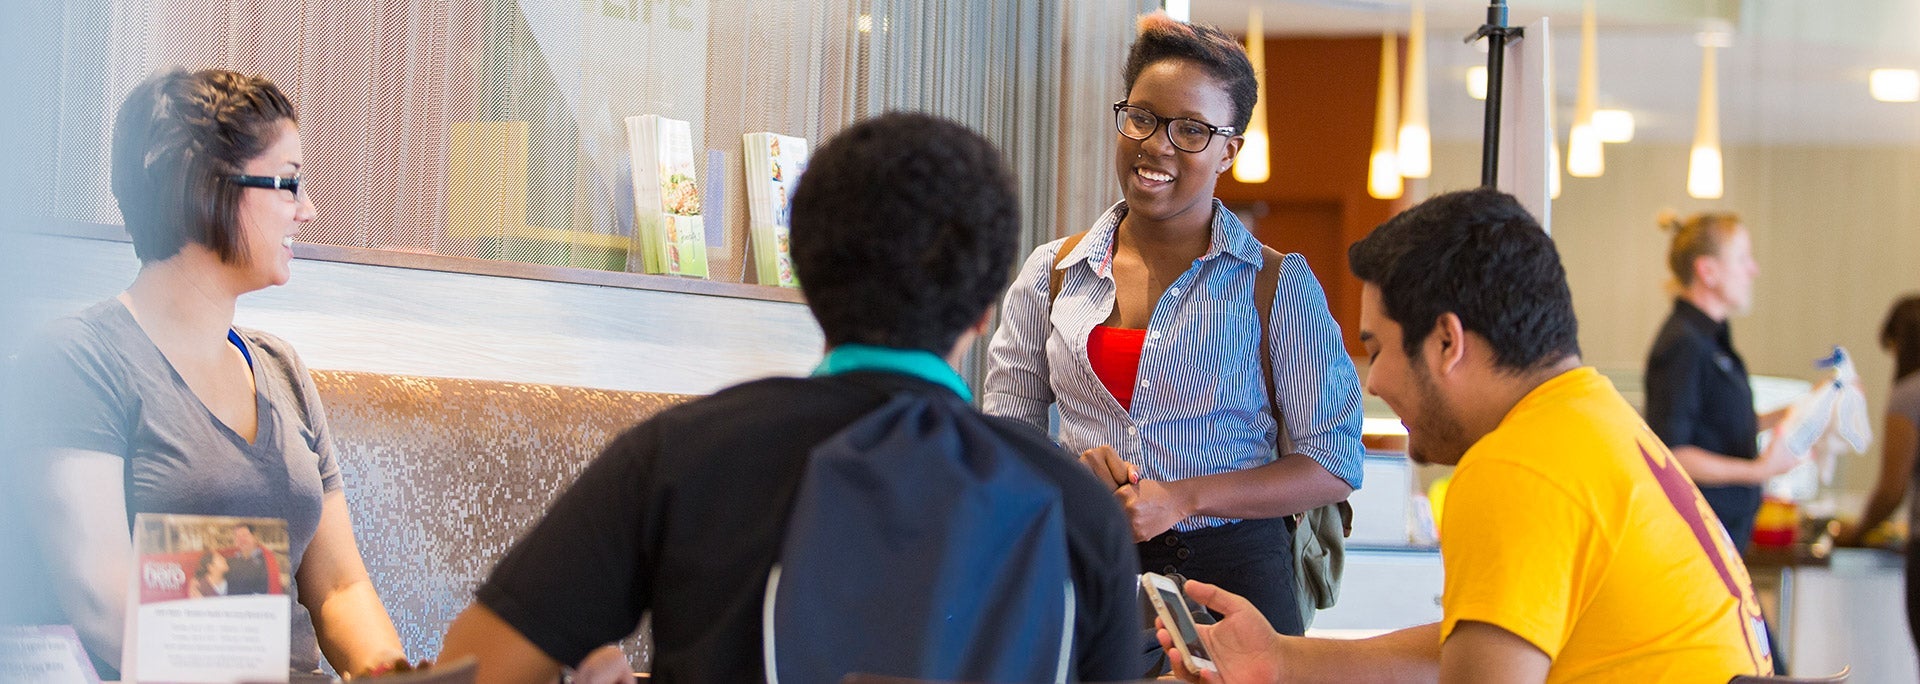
(209, 601)
(668, 233)
(773, 163)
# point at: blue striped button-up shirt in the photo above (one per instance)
(1199, 407)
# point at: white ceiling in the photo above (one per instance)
(1795, 74)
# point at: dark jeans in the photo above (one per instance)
(1252, 558)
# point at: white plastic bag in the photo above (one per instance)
(1830, 419)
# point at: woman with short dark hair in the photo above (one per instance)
(154, 402)
(1150, 349)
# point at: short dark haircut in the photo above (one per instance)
(1478, 255)
(1163, 38)
(905, 229)
(1901, 332)
(175, 138)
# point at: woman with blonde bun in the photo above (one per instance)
(1697, 396)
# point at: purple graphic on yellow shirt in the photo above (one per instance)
(1687, 501)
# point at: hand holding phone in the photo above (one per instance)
(1171, 605)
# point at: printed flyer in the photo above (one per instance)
(209, 602)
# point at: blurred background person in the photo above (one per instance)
(1900, 335)
(1698, 399)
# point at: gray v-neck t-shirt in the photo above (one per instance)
(101, 385)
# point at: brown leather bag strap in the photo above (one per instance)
(1266, 286)
(1059, 275)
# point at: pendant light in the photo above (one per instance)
(1703, 168)
(1383, 165)
(1584, 156)
(1253, 164)
(1415, 149)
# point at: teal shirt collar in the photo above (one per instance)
(918, 363)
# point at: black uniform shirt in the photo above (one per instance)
(1697, 395)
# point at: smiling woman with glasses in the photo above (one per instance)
(154, 401)
(1144, 332)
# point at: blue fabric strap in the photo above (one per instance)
(233, 336)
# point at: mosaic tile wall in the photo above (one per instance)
(443, 475)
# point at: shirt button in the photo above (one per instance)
(1153, 335)
(1183, 553)
(1133, 430)
(1168, 570)
(1146, 383)
(1174, 291)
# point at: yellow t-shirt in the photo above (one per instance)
(1573, 527)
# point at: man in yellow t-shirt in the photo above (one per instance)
(1572, 526)
(1575, 548)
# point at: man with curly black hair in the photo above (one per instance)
(904, 231)
(1576, 548)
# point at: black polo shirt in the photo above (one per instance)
(683, 515)
(1697, 395)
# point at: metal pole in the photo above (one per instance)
(1496, 32)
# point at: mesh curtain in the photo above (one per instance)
(514, 109)
(495, 128)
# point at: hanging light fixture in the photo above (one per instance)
(1613, 125)
(1894, 85)
(1585, 158)
(1415, 149)
(1383, 166)
(1253, 165)
(1703, 167)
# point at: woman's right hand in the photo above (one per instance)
(1776, 459)
(1109, 467)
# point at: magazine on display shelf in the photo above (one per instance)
(668, 235)
(773, 163)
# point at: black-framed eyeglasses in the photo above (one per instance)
(1187, 135)
(291, 184)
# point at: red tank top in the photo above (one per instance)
(1115, 356)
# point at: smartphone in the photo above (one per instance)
(1171, 604)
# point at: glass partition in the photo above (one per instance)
(497, 129)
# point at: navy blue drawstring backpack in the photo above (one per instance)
(922, 544)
